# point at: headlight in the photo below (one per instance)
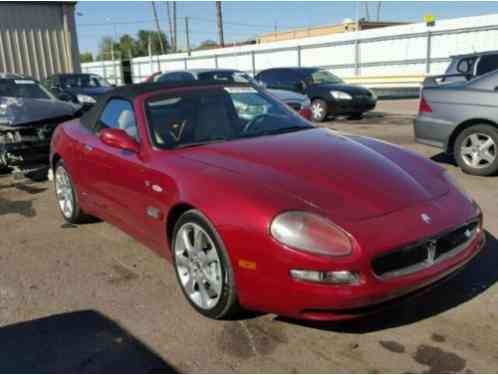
(453, 181)
(310, 232)
(85, 99)
(341, 95)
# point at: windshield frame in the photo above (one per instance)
(213, 87)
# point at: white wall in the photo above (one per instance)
(390, 51)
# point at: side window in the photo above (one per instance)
(288, 76)
(465, 66)
(269, 77)
(487, 64)
(119, 114)
(176, 76)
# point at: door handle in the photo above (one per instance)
(88, 148)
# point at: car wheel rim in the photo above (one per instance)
(478, 150)
(64, 192)
(198, 266)
(317, 111)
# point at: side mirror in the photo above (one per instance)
(118, 138)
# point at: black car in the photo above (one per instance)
(29, 113)
(329, 95)
(78, 88)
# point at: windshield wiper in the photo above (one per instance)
(201, 143)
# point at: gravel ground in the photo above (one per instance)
(91, 299)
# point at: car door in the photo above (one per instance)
(117, 183)
(289, 80)
(269, 78)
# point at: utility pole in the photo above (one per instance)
(170, 23)
(367, 13)
(161, 44)
(219, 20)
(187, 35)
(379, 4)
(175, 40)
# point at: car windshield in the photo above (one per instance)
(324, 76)
(225, 76)
(217, 115)
(83, 81)
(23, 88)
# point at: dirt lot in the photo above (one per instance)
(89, 298)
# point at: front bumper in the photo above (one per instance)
(357, 105)
(268, 286)
(25, 147)
(376, 295)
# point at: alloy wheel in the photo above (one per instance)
(64, 192)
(198, 266)
(478, 150)
(317, 111)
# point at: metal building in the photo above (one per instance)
(38, 39)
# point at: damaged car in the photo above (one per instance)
(29, 114)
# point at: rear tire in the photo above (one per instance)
(66, 196)
(476, 150)
(202, 267)
(318, 110)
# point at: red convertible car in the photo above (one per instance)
(258, 209)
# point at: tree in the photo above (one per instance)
(144, 36)
(105, 48)
(207, 44)
(128, 46)
(86, 57)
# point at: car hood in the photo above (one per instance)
(350, 89)
(90, 91)
(287, 96)
(352, 178)
(19, 111)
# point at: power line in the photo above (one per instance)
(205, 20)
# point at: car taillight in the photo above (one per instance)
(424, 107)
(305, 112)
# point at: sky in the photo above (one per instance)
(245, 19)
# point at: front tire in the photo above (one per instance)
(476, 150)
(203, 268)
(318, 110)
(65, 193)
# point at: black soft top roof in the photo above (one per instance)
(130, 92)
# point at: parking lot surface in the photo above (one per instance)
(90, 298)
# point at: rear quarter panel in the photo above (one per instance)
(451, 108)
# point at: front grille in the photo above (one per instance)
(420, 255)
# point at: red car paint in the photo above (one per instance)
(373, 190)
